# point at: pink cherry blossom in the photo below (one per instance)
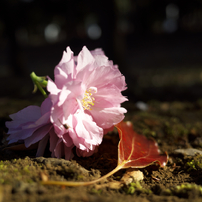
(84, 102)
(86, 99)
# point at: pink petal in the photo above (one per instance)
(67, 110)
(108, 97)
(28, 114)
(56, 118)
(76, 140)
(98, 52)
(106, 118)
(52, 88)
(60, 77)
(46, 106)
(87, 129)
(95, 132)
(67, 140)
(68, 153)
(86, 153)
(66, 67)
(38, 135)
(86, 134)
(63, 96)
(41, 121)
(84, 60)
(42, 146)
(20, 135)
(53, 140)
(104, 76)
(100, 58)
(59, 149)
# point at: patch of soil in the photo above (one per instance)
(175, 125)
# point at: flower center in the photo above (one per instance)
(88, 99)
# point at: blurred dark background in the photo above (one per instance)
(157, 44)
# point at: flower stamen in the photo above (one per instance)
(88, 100)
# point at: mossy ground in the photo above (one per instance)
(174, 125)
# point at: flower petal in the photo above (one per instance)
(53, 141)
(86, 153)
(106, 118)
(67, 140)
(106, 76)
(65, 70)
(42, 146)
(68, 152)
(84, 60)
(46, 106)
(28, 114)
(59, 149)
(38, 134)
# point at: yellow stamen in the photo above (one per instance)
(88, 100)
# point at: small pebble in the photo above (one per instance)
(189, 151)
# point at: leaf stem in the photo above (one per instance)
(76, 184)
(39, 82)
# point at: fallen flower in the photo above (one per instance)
(86, 97)
(84, 103)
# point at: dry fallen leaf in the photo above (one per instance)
(134, 150)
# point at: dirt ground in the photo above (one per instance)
(176, 126)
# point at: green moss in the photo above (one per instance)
(26, 169)
(1, 180)
(18, 169)
(130, 190)
(118, 177)
(148, 133)
(166, 192)
(30, 181)
(176, 129)
(2, 167)
(136, 186)
(182, 189)
(96, 191)
(194, 164)
(80, 177)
